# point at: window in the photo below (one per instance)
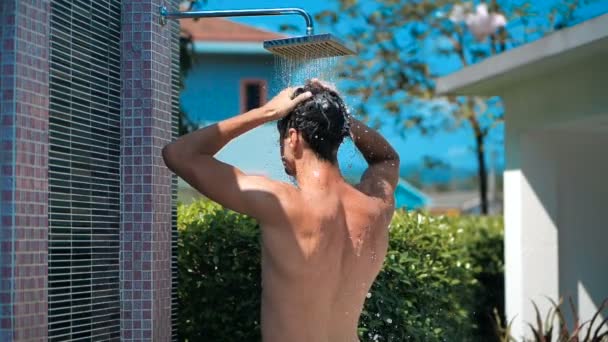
(253, 94)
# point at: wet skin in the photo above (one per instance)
(323, 241)
(319, 264)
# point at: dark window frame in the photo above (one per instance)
(263, 86)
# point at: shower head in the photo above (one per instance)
(309, 47)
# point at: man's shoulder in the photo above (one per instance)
(374, 201)
(285, 193)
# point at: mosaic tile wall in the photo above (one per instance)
(35, 207)
(24, 33)
(147, 198)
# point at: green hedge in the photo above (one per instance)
(441, 279)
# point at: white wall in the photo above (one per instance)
(556, 189)
(531, 233)
(583, 218)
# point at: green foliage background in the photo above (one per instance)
(441, 278)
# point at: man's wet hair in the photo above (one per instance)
(322, 120)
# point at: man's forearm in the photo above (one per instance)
(211, 139)
(373, 147)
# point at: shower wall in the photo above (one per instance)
(88, 98)
(24, 33)
(150, 71)
(84, 170)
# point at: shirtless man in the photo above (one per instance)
(323, 241)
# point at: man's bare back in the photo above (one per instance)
(318, 267)
(324, 241)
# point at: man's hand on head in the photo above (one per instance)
(282, 104)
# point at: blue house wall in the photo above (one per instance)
(212, 92)
(212, 86)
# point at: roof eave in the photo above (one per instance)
(229, 48)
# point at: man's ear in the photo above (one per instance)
(294, 137)
(297, 143)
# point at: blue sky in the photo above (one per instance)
(454, 147)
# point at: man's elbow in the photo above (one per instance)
(396, 159)
(169, 154)
(393, 159)
(390, 155)
(395, 164)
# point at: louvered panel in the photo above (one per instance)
(175, 90)
(84, 171)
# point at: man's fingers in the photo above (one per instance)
(289, 91)
(302, 97)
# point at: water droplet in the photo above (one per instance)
(369, 295)
(389, 321)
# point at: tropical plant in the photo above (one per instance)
(547, 331)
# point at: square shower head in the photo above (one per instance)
(309, 47)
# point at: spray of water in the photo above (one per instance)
(292, 72)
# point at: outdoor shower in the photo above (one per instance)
(310, 46)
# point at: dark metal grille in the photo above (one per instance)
(175, 90)
(84, 171)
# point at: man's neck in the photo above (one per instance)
(314, 174)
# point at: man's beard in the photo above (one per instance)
(287, 170)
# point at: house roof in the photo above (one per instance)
(225, 37)
(549, 54)
(405, 185)
(223, 30)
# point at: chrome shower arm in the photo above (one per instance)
(310, 29)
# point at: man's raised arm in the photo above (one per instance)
(382, 174)
(192, 158)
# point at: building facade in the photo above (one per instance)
(89, 96)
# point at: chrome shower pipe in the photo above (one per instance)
(310, 29)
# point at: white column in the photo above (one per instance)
(531, 236)
(514, 304)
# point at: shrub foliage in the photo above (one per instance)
(441, 279)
